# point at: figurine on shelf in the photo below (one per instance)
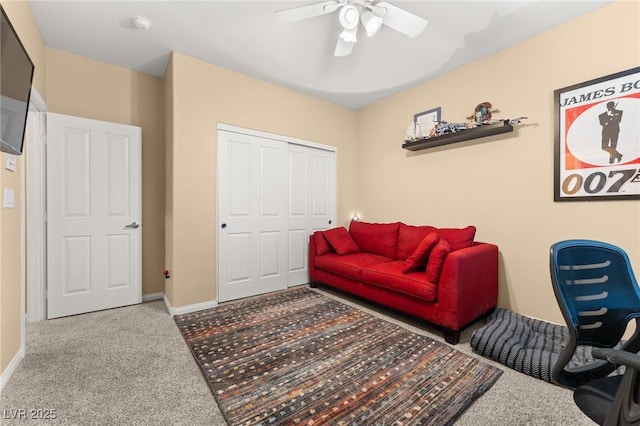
(411, 132)
(416, 132)
(482, 114)
(516, 120)
(444, 127)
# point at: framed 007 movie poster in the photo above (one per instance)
(597, 139)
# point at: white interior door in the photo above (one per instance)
(312, 190)
(93, 215)
(252, 215)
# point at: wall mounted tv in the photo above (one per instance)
(16, 76)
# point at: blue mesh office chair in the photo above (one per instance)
(598, 295)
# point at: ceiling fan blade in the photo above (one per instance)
(401, 20)
(343, 48)
(306, 12)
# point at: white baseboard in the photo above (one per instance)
(189, 308)
(11, 368)
(152, 296)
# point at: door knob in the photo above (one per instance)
(133, 225)
(224, 225)
(330, 222)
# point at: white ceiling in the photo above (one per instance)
(246, 37)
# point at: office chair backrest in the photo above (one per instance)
(598, 295)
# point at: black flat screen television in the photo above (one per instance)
(16, 76)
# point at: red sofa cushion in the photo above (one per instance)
(458, 237)
(322, 246)
(341, 241)
(349, 265)
(418, 260)
(436, 260)
(378, 238)
(409, 238)
(389, 275)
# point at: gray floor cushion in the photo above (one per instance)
(525, 344)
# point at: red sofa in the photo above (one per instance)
(439, 275)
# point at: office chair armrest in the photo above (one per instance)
(617, 357)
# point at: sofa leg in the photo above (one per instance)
(313, 284)
(452, 337)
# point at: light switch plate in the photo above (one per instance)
(7, 198)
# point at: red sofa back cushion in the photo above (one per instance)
(458, 238)
(409, 237)
(377, 238)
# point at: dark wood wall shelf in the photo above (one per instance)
(463, 135)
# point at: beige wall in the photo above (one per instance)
(10, 308)
(20, 16)
(168, 199)
(87, 88)
(203, 96)
(504, 184)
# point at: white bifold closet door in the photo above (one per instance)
(311, 204)
(271, 195)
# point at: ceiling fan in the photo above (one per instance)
(352, 13)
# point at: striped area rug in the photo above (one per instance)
(299, 357)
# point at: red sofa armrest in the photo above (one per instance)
(312, 258)
(468, 285)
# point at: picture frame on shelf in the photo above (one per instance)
(427, 119)
(597, 139)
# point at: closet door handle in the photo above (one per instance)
(224, 225)
(330, 221)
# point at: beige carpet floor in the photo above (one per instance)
(130, 366)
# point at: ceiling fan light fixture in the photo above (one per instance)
(343, 48)
(371, 22)
(349, 17)
(350, 36)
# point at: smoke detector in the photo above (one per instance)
(141, 23)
